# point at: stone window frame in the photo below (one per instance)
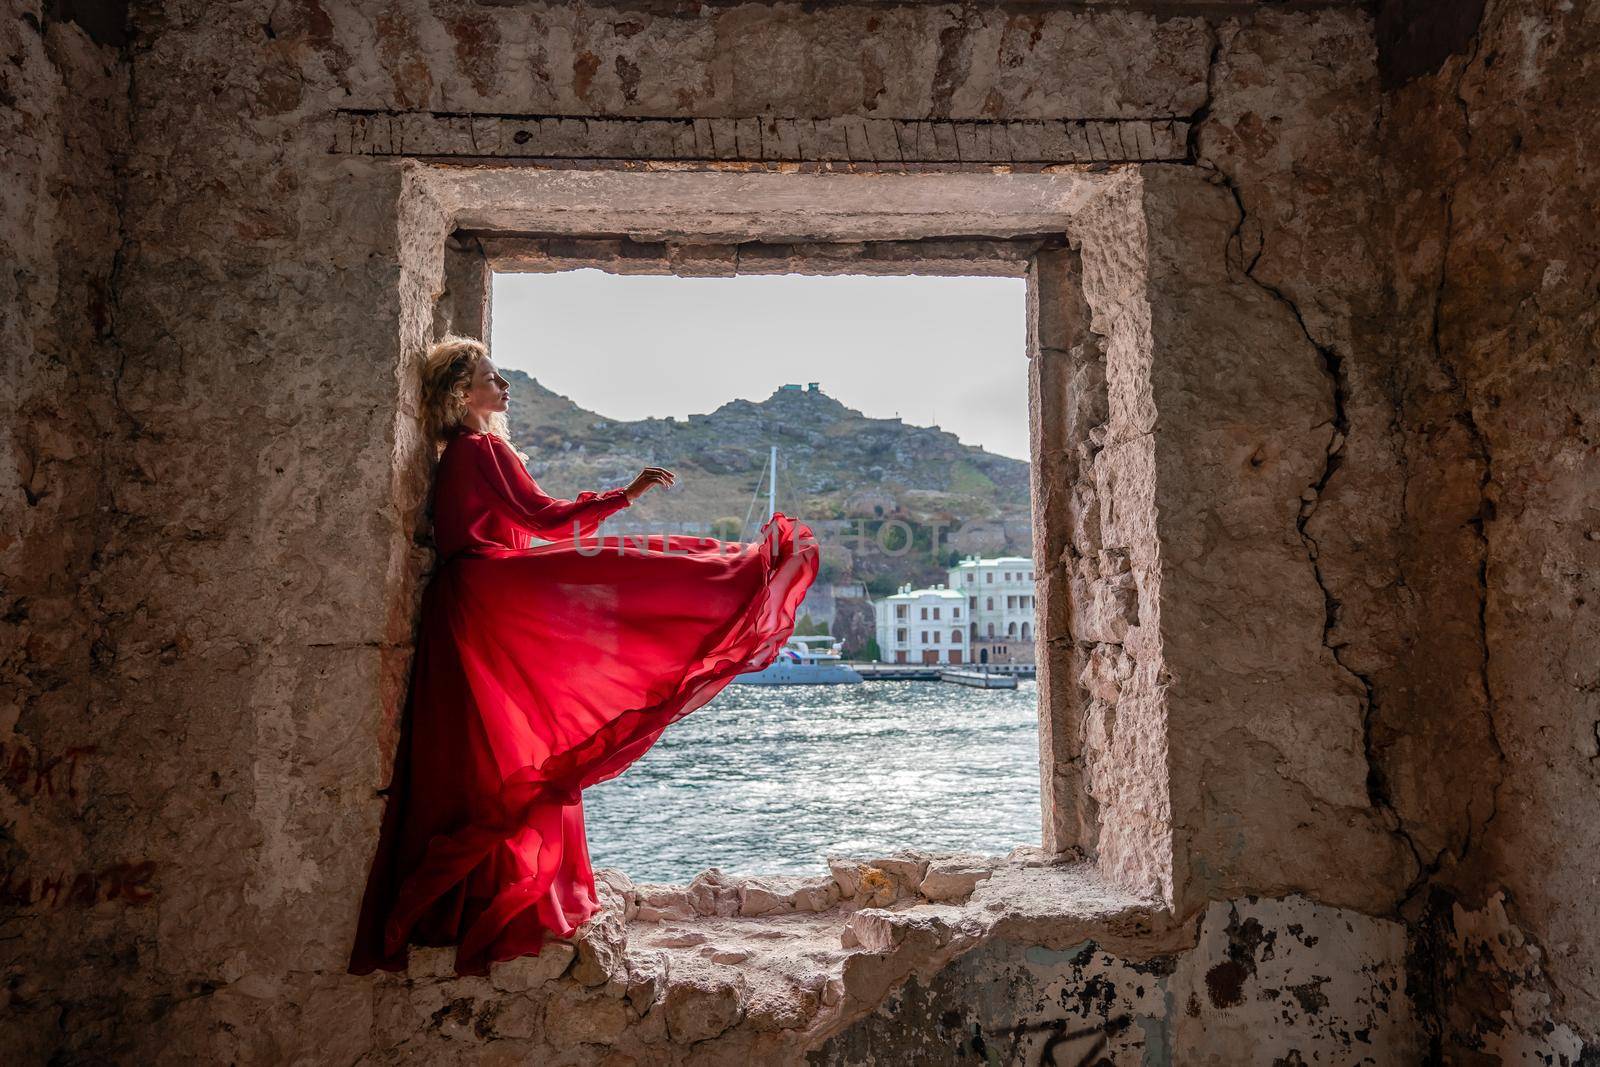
(459, 225)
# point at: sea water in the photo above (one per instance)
(772, 779)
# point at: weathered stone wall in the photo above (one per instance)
(211, 549)
(1224, 607)
(1265, 724)
(63, 110)
(1270, 792)
(1491, 753)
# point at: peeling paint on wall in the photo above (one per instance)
(1267, 982)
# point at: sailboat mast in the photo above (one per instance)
(772, 485)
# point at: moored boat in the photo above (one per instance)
(804, 660)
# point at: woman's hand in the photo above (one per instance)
(648, 479)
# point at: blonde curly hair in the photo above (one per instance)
(447, 372)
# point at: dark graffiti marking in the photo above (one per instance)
(126, 883)
(27, 773)
(1085, 1046)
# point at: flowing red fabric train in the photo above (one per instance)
(541, 670)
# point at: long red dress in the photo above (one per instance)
(540, 670)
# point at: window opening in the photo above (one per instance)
(703, 781)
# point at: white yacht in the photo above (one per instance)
(809, 660)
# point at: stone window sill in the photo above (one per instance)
(813, 954)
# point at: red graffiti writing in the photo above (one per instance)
(31, 774)
(129, 883)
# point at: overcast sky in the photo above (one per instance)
(950, 350)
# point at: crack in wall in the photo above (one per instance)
(1480, 443)
(1414, 895)
(1465, 960)
(1201, 114)
(1331, 364)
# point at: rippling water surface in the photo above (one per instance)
(770, 779)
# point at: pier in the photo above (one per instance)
(935, 672)
(979, 679)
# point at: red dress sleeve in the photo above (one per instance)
(518, 497)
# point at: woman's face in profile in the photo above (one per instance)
(489, 391)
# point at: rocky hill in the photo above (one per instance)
(843, 473)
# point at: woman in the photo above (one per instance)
(540, 670)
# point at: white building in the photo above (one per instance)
(999, 596)
(922, 626)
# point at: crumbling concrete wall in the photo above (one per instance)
(1491, 755)
(1268, 791)
(1223, 518)
(212, 555)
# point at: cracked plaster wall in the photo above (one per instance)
(1490, 753)
(1227, 626)
(243, 420)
